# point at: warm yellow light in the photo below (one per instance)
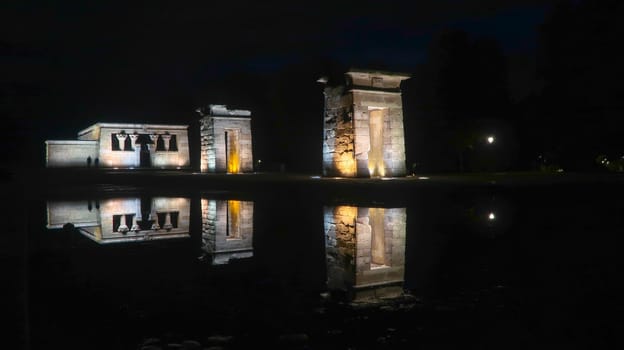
(375, 154)
(378, 237)
(233, 157)
(234, 219)
(346, 165)
(345, 215)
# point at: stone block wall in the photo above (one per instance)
(340, 241)
(70, 153)
(338, 134)
(77, 212)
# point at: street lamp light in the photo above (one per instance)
(490, 139)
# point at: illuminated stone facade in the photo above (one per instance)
(227, 229)
(123, 219)
(363, 132)
(225, 140)
(116, 145)
(365, 251)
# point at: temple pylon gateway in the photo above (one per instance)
(225, 140)
(363, 132)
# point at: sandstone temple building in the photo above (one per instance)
(225, 140)
(117, 145)
(363, 125)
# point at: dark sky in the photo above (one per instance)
(72, 63)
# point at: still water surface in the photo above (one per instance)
(296, 269)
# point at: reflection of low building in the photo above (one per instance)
(109, 145)
(365, 250)
(227, 229)
(123, 219)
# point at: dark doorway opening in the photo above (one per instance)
(146, 160)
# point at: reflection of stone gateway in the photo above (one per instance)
(365, 251)
(227, 229)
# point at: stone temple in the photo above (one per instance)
(363, 132)
(225, 140)
(117, 145)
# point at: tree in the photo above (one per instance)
(580, 62)
(458, 91)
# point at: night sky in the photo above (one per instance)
(68, 64)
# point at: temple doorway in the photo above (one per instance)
(375, 154)
(378, 237)
(145, 157)
(232, 151)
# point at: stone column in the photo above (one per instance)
(137, 149)
(155, 225)
(134, 138)
(135, 227)
(123, 228)
(167, 140)
(167, 226)
(154, 138)
(122, 140)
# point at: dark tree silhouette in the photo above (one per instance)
(578, 114)
(459, 91)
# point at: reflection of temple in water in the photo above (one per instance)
(123, 219)
(227, 229)
(365, 251)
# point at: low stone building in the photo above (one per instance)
(225, 140)
(120, 145)
(227, 229)
(365, 251)
(118, 220)
(363, 132)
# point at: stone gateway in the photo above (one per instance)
(363, 125)
(225, 140)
